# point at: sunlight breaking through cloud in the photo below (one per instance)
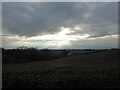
(60, 25)
(63, 35)
(55, 43)
(59, 39)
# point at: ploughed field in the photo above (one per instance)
(88, 70)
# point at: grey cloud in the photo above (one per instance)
(43, 18)
(60, 0)
(0, 24)
(95, 43)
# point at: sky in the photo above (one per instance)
(60, 0)
(0, 24)
(75, 25)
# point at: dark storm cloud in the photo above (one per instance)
(42, 18)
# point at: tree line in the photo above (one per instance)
(32, 54)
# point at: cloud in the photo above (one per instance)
(0, 24)
(30, 19)
(60, 0)
(110, 41)
(39, 18)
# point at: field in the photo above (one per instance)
(88, 70)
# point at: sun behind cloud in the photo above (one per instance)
(64, 34)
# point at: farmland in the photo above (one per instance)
(88, 69)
